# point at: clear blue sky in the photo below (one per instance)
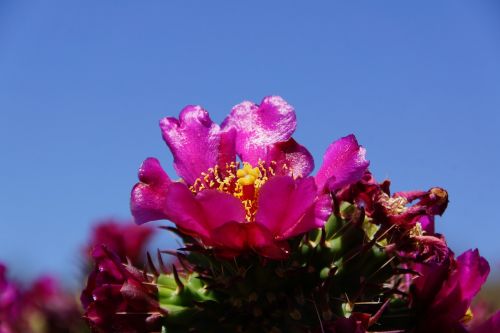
(84, 83)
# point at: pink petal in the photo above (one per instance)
(297, 159)
(261, 241)
(471, 273)
(147, 201)
(283, 204)
(344, 163)
(197, 143)
(185, 211)
(259, 126)
(219, 208)
(231, 235)
(315, 216)
(231, 239)
(199, 215)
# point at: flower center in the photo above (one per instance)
(248, 175)
(241, 180)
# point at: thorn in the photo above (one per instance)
(380, 268)
(358, 217)
(172, 229)
(163, 268)
(373, 319)
(129, 262)
(305, 238)
(319, 316)
(336, 206)
(183, 262)
(323, 237)
(169, 252)
(152, 266)
(178, 281)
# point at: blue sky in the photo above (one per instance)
(84, 83)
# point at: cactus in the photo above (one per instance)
(269, 248)
(331, 273)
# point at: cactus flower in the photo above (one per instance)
(9, 302)
(443, 293)
(256, 203)
(120, 298)
(127, 240)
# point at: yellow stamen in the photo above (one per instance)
(247, 175)
(467, 317)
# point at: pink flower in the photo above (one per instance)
(120, 298)
(256, 204)
(44, 307)
(444, 291)
(47, 304)
(127, 240)
(10, 308)
(404, 209)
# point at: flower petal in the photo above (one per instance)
(185, 211)
(292, 158)
(470, 274)
(199, 215)
(219, 208)
(233, 238)
(261, 241)
(196, 142)
(283, 203)
(231, 235)
(259, 126)
(344, 163)
(315, 216)
(147, 201)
